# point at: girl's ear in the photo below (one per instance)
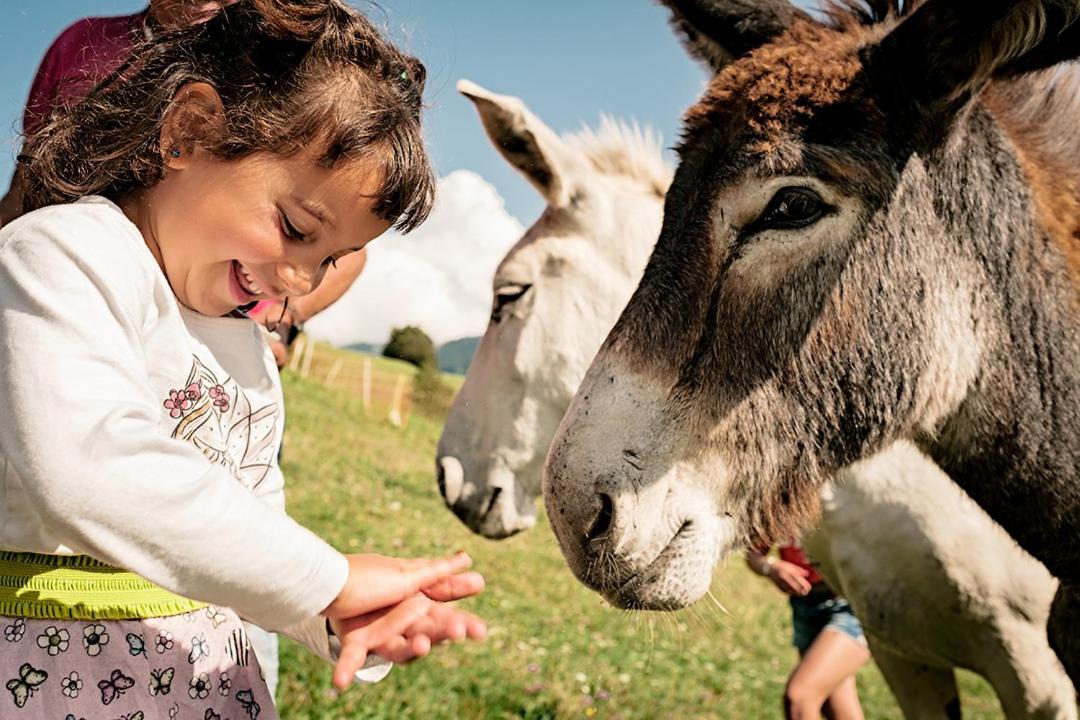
(195, 116)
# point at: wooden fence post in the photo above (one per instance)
(395, 405)
(366, 387)
(309, 355)
(297, 352)
(334, 370)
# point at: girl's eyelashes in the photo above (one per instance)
(289, 230)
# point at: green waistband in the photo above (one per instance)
(77, 587)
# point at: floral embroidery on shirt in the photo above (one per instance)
(222, 423)
(180, 401)
(220, 398)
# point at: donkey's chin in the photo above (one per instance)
(500, 527)
(682, 573)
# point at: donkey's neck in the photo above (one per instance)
(1014, 444)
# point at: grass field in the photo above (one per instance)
(555, 650)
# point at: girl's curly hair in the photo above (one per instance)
(290, 73)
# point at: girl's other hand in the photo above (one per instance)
(400, 634)
(377, 581)
(789, 577)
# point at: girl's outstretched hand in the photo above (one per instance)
(790, 578)
(400, 634)
(377, 581)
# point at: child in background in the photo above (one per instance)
(229, 162)
(825, 632)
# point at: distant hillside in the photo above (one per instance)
(455, 356)
(369, 348)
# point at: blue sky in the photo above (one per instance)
(569, 59)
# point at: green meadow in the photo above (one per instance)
(555, 649)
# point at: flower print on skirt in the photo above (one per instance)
(197, 665)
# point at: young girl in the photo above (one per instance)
(227, 163)
(825, 632)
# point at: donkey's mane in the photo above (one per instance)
(1038, 112)
(625, 149)
(847, 14)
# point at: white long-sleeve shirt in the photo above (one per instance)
(240, 349)
(122, 436)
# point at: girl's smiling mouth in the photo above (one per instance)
(246, 288)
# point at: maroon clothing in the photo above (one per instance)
(794, 554)
(79, 59)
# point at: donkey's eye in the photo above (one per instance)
(792, 208)
(506, 296)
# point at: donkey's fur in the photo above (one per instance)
(601, 187)
(892, 531)
(871, 237)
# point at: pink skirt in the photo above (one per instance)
(198, 665)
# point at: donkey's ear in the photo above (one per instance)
(946, 51)
(526, 142)
(718, 31)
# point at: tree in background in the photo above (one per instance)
(431, 395)
(412, 345)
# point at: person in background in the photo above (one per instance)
(82, 56)
(827, 635)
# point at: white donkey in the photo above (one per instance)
(935, 582)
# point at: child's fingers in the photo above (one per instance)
(427, 572)
(397, 620)
(420, 646)
(455, 587)
(352, 657)
(442, 623)
(391, 624)
(403, 650)
(475, 628)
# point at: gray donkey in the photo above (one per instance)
(871, 237)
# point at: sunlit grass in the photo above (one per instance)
(555, 649)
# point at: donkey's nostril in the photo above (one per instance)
(451, 478)
(491, 503)
(603, 520)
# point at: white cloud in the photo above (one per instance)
(437, 277)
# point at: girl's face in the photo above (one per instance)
(231, 232)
